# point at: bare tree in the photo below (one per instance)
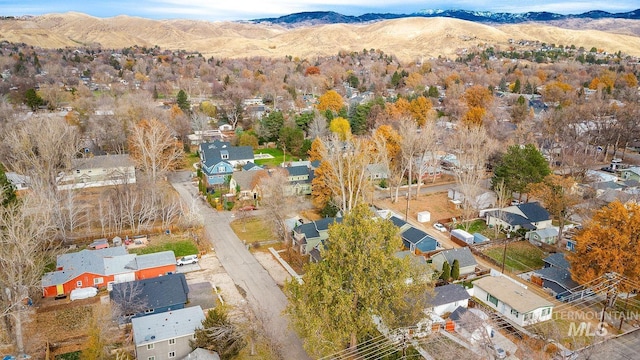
(346, 165)
(318, 127)
(40, 157)
(26, 247)
(278, 201)
(127, 301)
(154, 149)
(472, 147)
(410, 147)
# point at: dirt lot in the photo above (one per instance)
(437, 204)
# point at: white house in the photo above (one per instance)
(528, 216)
(513, 300)
(166, 335)
(447, 298)
(102, 170)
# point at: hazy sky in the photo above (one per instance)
(215, 10)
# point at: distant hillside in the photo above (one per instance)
(408, 38)
(329, 17)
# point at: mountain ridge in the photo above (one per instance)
(331, 17)
(407, 38)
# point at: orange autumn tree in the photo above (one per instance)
(477, 98)
(399, 109)
(610, 242)
(153, 148)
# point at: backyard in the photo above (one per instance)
(521, 256)
(277, 157)
(180, 245)
(252, 229)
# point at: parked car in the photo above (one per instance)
(515, 202)
(189, 259)
(440, 227)
(499, 352)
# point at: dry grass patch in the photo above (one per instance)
(252, 229)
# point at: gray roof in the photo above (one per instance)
(162, 291)
(464, 256)
(297, 170)
(416, 259)
(245, 178)
(534, 212)
(251, 166)
(448, 294)
(557, 260)
(102, 162)
(202, 354)
(103, 261)
(168, 325)
(148, 261)
(211, 152)
(547, 232)
(559, 276)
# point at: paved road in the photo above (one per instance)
(263, 294)
(625, 347)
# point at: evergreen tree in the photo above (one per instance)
(446, 271)
(455, 270)
(7, 189)
(358, 277)
(183, 102)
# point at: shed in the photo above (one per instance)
(424, 216)
(479, 238)
(461, 235)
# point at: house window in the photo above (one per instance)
(492, 299)
(151, 358)
(221, 169)
(98, 281)
(172, 354)
(149, 346)
(546, 311)
(148, 311)
(515, 313)
(225, 156)
(172, 341)
(79, 283)
(78, 171)
(528, 316)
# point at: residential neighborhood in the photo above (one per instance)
(170, 204)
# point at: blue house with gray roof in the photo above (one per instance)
(218, 160)
(556, 276)
(418, 241)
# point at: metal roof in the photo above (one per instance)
(512, 294)
(168, 325)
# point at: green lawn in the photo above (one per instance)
(278, 157)
(252, 229)
(190, 159)
(521, 256)
(477, 226)
(180, 248)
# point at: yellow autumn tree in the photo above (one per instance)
(474, 116)
(330, 100)
(630, 80)
(392, 139)
(341, 127)
(421, 110)
(610, 242)
(316, 150)
(478, 96)
(558, 91)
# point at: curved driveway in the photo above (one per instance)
(263, 294)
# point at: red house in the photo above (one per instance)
(100, 268)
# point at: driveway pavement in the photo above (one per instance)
(263, 295)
